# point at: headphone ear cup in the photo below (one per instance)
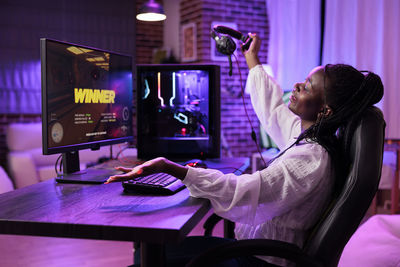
(224, 44)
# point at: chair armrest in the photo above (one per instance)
(210, 223)
(251, 247)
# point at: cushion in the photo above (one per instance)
(5, 182)
(24, 136)
(376, 243)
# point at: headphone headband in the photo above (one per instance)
(226, 30)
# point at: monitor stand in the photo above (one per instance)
(70, 161)
(73, 174)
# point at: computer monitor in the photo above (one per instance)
(178, 111)
(86, 99)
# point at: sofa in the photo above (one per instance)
(26, 163)
(376, 243)
(5, 182)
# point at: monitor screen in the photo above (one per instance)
(86, 97)
(178, 111)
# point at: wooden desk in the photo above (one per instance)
(104, 212)
(394, 145)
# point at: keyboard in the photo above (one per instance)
(157, 184)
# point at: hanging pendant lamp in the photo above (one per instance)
(151, 11)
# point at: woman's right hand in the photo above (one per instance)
(149, 167)
(251, 54)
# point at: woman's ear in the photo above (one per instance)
(325, 112)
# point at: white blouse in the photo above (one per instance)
(283, 201)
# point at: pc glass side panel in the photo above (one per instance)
(178, 111)
(86, 97)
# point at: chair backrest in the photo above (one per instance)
(327, 241)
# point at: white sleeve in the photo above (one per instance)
(275, 117)
(258, 197)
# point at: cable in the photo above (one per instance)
(253, 133)
(55, 165)
(123, 159)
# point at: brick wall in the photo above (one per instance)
(149, 35)
(250, 16)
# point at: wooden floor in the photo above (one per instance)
(62, 252)
(47, 251)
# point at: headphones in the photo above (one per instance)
(224, 43)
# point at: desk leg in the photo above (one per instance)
(395, 188)
(152, 255)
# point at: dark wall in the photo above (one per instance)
(105, 24)
(249, 16)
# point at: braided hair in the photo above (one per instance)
(348, 92)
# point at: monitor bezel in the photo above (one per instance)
(214, 111)
(80, 146)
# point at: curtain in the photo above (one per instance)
(294, 43)
(109, 25)
(20, 87)
(366, 35)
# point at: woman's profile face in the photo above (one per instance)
(308, 97)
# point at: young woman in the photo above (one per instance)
(284, 200)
